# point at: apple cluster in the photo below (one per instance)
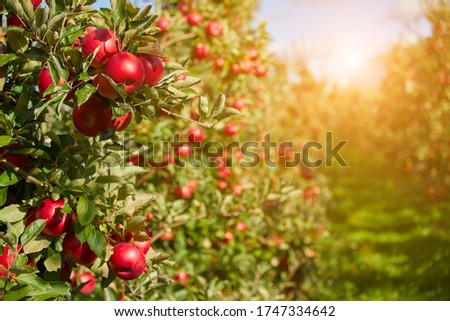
(111, 68)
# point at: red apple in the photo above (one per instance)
(239, 103)
(253, 53)
(260, 71)
(86, 277)
(196, 134)
(36, 3)
(241, 226)
(30, 217)
(224, 172)
(18, 160)
(230, 129)
(181, 77)
(222, 185)
(14, 20)
(76, 251)
(247, 66)
(108, 42)
(45, 80)
(228, 236)
(236, 189)
(121, 123)
(93, 117)
(153, 67)
(6, 259)
(124, 68)
(235, 69)
(163, 24)
(127, 261)
(194, 19)
(56, 223)
(185, 192)
(183, 278)
(219, 63)
(144, 246)
(214, 28)
(201, 51)
(168, 236)
(183, 150)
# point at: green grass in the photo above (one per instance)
(388, 239)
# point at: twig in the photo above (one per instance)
(186, 118)
(180, 38)
(21, 172)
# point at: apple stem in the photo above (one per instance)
(21, 172)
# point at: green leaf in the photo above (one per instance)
(188, 82)
(136, 224)
(17, 39)
(33, 280)
(109, 179)
(3, 195)
(97, 243)
(12, 213)
(37, 245)
(5, 141)
(84, 93)
(53, 263)
(203, 105)
(134, 203)
(32, 231)
(57, 289)
(86, 210)
(8, 178)
(219, 104)
(55, 23)
(119, 88)
(17, 293)
(228, 112)
(6, 58)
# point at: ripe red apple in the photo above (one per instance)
(144, 246)
(168, 236)
(153, 68)
(241, 226)
(14, 20)
(36, 3)
(93, 117)
(45, 80)
(124, 68)
(76, 251)
(235, 69)
(253, 53)
(196, 134)
(65, 271)
(57, 223)
(86, 277)
(247, 66)
(121, 123)
(18, 160)
(228, 236)
(183, 278)
(6, 259)
(214, 28)
(222, 185)
(230, 129)
(183, 150)
(219, 63)
(194, 19)
(108, 42)
(185, 192)
(127, 261)
(224, 172)
(201, 51)
(260, 71)
(30, 217)
(236, 189)
(239, 103)
(163, 24)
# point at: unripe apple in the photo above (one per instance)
(214, 28)
(230, 129)
(163, 24)
(93, 117)
(183, 278)
(45, 80)
(108, 42)
(76, 251)
(127, 261)
(194, 19)
(121, 123)
(239, 103)
(124, 68)
(196, 134)
(86, 277)
(201, 51)
(56, 223)
(153, 67)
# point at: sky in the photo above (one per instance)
(341, 40)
